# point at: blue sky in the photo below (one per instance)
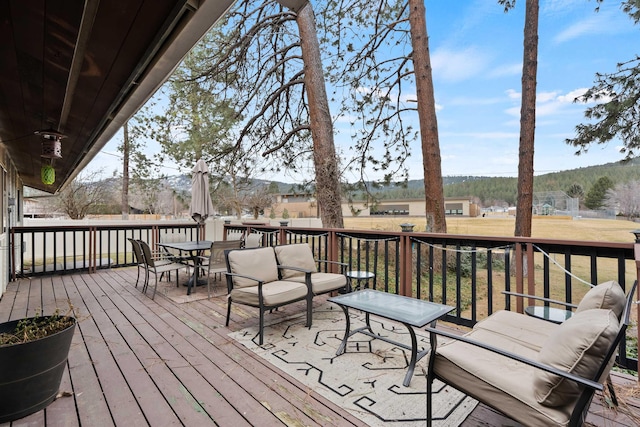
(476, 54)
(477, 60)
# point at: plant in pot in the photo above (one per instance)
(33, 356)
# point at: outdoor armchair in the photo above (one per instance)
(607, 295)
(502, 365)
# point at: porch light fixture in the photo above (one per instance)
(637, 234)
(47, 174)
(51, 143)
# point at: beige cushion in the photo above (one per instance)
(273, 293)
(323, 282)
(578, 346)
(497, 381)
(259, 263)
(529, 331)
(296, 255)
(608, 295)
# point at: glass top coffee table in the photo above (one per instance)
(411, 312)
(551, 314)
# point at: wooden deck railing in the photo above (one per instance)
(468, 272)
(39, 250)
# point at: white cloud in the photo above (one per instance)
(481, 135)
(513, 111)
(590, 25)
(606, 21)
(547, 103)
(458, 65)
(470, 101)
(506, 70)
(559, 6)
(512, 94)
(571, 96)
(547, 108)
(546, 96)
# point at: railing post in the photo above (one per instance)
(405, 266)
(531, 272)
(332, 241)
(93, 252)
(405, 260)
(12, 255)
(519, 277)
(282, 238)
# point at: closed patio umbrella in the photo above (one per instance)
(201, 206)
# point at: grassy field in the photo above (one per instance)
(563, 228)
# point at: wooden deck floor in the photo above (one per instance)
(136, 361)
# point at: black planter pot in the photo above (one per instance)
(30, 373)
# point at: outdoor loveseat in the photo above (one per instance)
(533, 371)
(253, 279)
(271, 277)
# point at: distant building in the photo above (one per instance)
(305, 206)
(453, 206)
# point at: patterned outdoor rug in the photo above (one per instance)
(367, 379)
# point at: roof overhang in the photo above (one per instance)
(83, 68)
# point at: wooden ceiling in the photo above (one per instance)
(83, 67)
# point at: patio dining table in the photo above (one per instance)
(194, 248)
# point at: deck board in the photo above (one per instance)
(137, 361)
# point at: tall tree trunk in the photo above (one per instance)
(125, 172)
(527, 121)
(433, 190)
(324, 153)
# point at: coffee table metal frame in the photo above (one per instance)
(411, 312)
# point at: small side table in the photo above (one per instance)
(359, 276)
(550, 314)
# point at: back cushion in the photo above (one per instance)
(259, 263)
(579, 345)
(608, 295)
(296, 255)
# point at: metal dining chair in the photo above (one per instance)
(157, 267)
(215, 263)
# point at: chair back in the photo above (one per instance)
(582, 406)
(216, 258)
(253, 240)
(146, 253)
(257, 263)
(137, 251)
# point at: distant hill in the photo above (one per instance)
(493, 189)
(487, 190)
